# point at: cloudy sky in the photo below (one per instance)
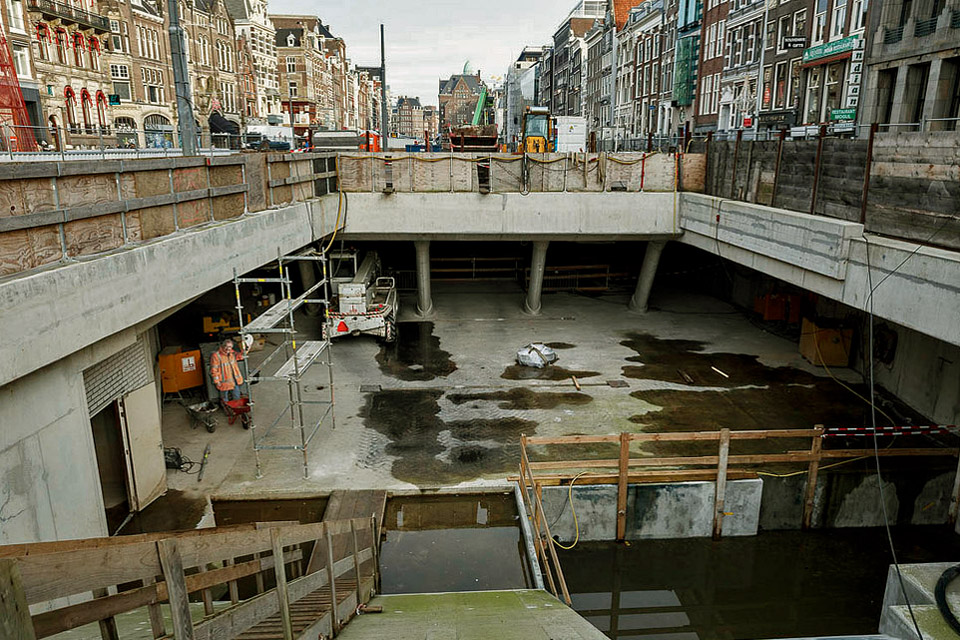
(430, 39)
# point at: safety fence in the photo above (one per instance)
(327, 573)
(562, 460)
(512, 173)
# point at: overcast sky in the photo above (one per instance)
(430, 39)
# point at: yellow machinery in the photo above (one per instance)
(538, 127)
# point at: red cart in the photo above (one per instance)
(238, 409)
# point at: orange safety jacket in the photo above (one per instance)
(224, 370)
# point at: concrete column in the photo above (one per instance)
(931, 105)
(424, 299)
(538, 263)
(899, 113)
(651, 258)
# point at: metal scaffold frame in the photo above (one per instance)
(298, 356)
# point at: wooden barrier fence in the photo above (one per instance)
(127, 573)
(721, 467)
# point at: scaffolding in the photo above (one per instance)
(298, 357)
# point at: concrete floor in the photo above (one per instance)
(448, 418)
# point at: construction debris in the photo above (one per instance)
(536, 354)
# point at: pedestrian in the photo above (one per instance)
(225, 372)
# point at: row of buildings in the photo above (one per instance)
(100, 71)
(411, 119)
(635, 69)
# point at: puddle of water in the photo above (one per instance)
(549, 372)
(774, 585)
(174, 511)
(452, 543)
(415, 356)
(560, 345)
(433, 452)
(523, 399)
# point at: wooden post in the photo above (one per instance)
(866, 174)
(356, 562)
(15, 622)
(156, 614)
(706, 166)
(258, 576)
(736, 157)
(280, 570)
(375, 544)
(172, 566)
(232, 585)
(108, 626)
(816, 168)
(622, 486)
(206, 596)
(776, 170)
(724, 456)
(812, 470)
(334, 618)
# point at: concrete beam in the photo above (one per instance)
(916, 287)
(651, 258)
(49, 314)
(538, 264)
(511, 216)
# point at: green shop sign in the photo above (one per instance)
(843, 114)
(831, 48)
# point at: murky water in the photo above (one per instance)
(415, 355)
(452, 543)
(522, 399)
(549, 372)
(774, 585)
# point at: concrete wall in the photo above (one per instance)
(473, 216)
(49, 486)
(677, 510)
(46, 315)
(921, 293)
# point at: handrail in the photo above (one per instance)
(43, 574)
(719, 467)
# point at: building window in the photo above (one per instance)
(15, 15)
(293, 89)
(203, 48)
(783, 31)
(838, 23)
(85, 104)
(767, 95)
(102, 111)
(78, 49)
(21, 61)
(291, 64)
(61, 46)
(94, 54)
(858, 15)
(834, 94)
(780, 81)
(70, 109)
(771, 35)
(813, 95)
(120, 73)
(793, 91)
(820, 22)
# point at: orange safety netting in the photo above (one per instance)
(13, 110)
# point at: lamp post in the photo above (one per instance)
(293, 130)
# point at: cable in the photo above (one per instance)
(816, 343)
(940, 595)
(873, 423)
(576, 524)
(340, 198)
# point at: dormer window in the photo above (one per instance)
(291, 40)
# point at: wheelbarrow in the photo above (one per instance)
(202, 414)
(238, 409)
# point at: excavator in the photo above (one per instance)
(537, 131)
(479, 135)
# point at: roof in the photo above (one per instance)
(284, 21)
(237, 8)
(473, 83)
(621, 10)
(280, 39)
(580, 26)
(413, 103)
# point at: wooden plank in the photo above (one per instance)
(177, 588)
(280, 571)
(811, 487)
(622, 486)
(356, 559)
(206, 596)
(331, 577)
(536, 506)
(57, 575)
(721, 488)
(15, 623)
(155, 613)
(232, 584)
(375, 549)
(641, 477)
(52, 622)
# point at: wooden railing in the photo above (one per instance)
(133, 572)
(721, 467)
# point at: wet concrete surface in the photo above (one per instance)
(415, 355)
(440, 544)
(549, 372)
(429, 449)
(522, 399)
(174, 511)
(774, 585)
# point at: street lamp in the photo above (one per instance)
(293, 131)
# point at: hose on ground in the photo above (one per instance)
(940, 595)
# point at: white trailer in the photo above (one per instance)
(571, 134)
(364, 302)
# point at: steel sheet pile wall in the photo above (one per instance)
(913, 191)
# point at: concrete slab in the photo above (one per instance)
(449, 415)
(527, 614)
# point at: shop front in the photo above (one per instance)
(833, 74)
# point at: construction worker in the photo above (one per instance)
(225, 372)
